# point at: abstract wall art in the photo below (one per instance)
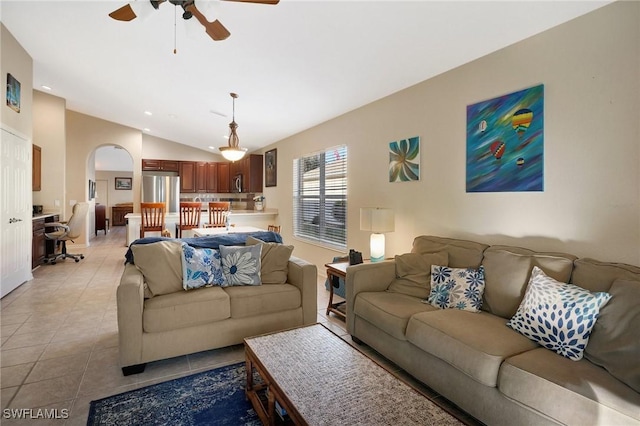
(404, 160)
(505, 143)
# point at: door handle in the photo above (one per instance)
(14, 220)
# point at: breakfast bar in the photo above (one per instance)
(260, 219)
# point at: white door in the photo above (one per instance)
(15, 211)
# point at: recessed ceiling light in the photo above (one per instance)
(211, 147)
(45, 87)
(148, 113)
(146, 129)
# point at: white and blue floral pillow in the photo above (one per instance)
(241, 264)
(558, 316)
(456, 288)
(201, 267)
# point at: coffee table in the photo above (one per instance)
(319, 379)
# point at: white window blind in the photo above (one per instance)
(320, 197)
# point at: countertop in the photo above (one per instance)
(43, 215)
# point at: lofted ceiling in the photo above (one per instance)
(294, 65)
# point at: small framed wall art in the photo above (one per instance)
(271, 168)
(404, 160)
(123, 183)
(13, 93)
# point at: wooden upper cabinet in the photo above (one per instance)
(201, 177)
(252, 175)
(36, 172)
(161, 165)
(223, 177)
(188, 176)
(212, 177)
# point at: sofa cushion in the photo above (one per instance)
(185, 309)
(571, 392)
(459, 288)
(413, 273)
(474, 343)
(615, 339)
(241, 265)
(462, 253)
(201, 267)
(389, 311)
(274, 261)
(161, 265)
(507, 271)
(598, 276)
(247, 301)
(559, 316)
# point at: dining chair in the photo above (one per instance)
(189, 217)
(274, 228)
(152, 218)
(218, 210)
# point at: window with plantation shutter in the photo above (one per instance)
(320, 197)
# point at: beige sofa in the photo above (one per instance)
(158, 319)
(475, 360)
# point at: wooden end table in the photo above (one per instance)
(335, 271)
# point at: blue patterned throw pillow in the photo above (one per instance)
(201, 267)
(558, 316)
(456, 288)
(241, 264)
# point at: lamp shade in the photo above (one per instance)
(377, 220)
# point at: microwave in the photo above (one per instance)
(236, 183)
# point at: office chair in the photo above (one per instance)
(152, 218)
(189, 217)
(67, 231)
(217, 214)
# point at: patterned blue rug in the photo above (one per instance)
(214, 397)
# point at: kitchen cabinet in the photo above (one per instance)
(160, 165)
(201, 177)
(212, 177)
(38, 243)
(223, 177)
(36, 171)
(118, 215)
(250, 167)
(188, 176)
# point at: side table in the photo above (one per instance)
(335, 271)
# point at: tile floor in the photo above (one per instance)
(59, 339)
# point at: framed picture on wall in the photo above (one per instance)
(123, 183)
(92, 190)
(271, 168)
(13, 93)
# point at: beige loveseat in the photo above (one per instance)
(158, 319)
(475, 360)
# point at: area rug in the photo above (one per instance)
(214, 397)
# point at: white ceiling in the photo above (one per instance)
(294, 65)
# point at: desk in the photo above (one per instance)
(203, 232)
(336, 271)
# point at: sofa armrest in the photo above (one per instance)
(304, 275)
(366, 277)
(130, 299)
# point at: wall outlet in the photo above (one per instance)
(56, 203)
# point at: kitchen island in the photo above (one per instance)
(256, 218)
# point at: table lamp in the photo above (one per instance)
(377, 220)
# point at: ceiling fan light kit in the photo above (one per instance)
(214, 29)
(232, 151)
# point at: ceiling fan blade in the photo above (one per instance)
(125, 13)
(215, 29)
(257, 1)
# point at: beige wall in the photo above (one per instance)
(590, 68)
(161, 149)
(17, 62)
(49, 134)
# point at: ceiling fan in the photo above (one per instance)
(214, 29)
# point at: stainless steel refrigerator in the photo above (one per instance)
(162, 189)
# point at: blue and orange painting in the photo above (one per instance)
(505, 143)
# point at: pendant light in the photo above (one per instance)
(232, 151)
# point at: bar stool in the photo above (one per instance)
(189, 217)
(152, 218)
(274, 228)
(218, 211)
